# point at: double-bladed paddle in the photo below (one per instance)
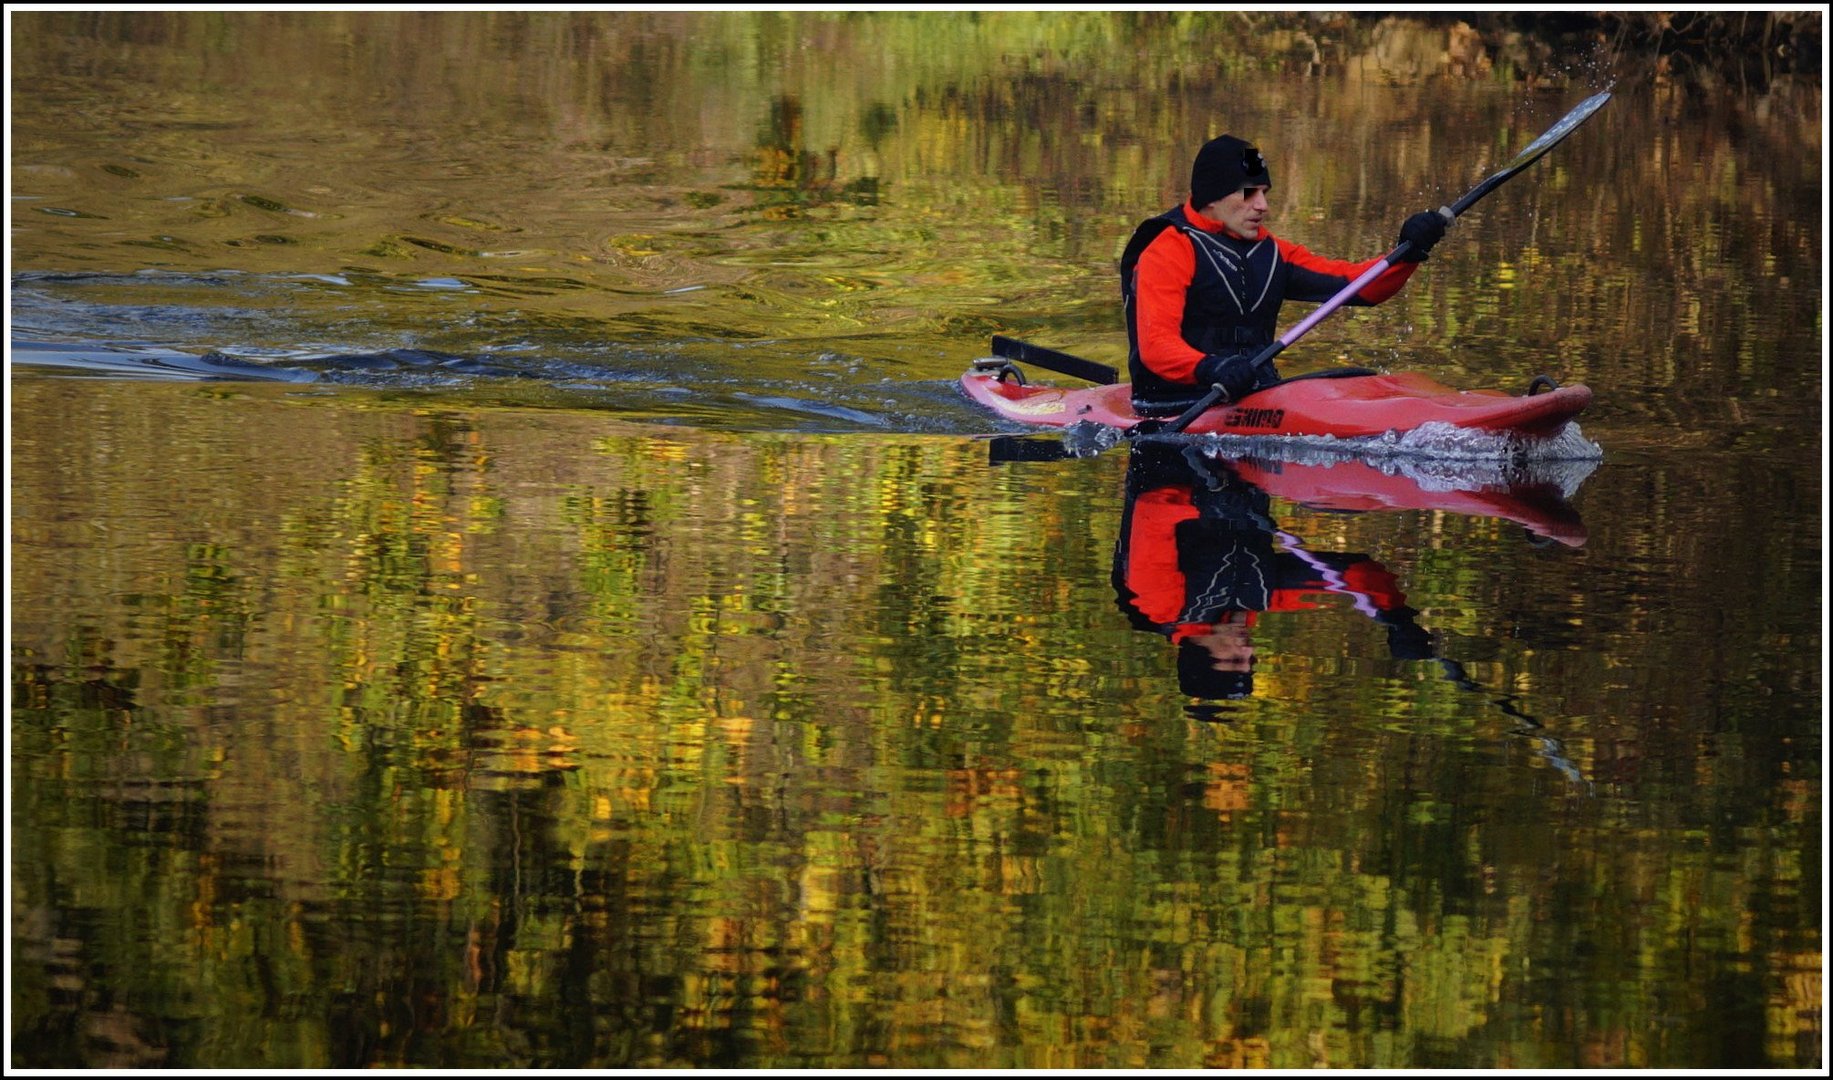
(1100, 373)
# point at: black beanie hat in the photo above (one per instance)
(1224, 166)
(1197, 676)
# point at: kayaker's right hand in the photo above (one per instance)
(1235, 373)
(1409, 641)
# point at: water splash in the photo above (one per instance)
(1433, 441)
(1434, 449)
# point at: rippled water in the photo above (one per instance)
(502, 574)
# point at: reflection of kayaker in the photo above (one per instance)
(1196, 561)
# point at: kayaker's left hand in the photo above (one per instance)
(1421, 231)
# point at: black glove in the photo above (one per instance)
(1235, 373)
(1406, 639)
(1422, 230)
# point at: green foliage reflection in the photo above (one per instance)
(525, 739)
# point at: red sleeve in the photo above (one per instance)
(1152, 573)
(1376, 582)
(1374, 292)
(1160, 282)
(1293, 599)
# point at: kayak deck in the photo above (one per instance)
(1346, 407)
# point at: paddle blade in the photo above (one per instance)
(1565, 127)
(1534, 151)
(1051, 360)
(1004, 449)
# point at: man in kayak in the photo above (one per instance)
(1195, 561)
(1202, 284)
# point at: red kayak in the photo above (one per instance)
(1346, 407)
(1540, 506)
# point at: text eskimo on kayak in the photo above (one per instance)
(1202, 283)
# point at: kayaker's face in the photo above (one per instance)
(1229, 646)
(1240, 213)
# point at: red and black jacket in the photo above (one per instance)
(1191, 288)
(1196, 550)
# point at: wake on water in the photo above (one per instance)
(1436, 456)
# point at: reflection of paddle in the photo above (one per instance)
(1535, 150)
(1546, 747)
(1407, 640)
(1003, 449)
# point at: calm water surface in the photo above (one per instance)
(502, 576)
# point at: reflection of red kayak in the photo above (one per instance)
(1346, 407)
(1538, 506)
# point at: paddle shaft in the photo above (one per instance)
(1533, 152)
(1063, 363)
(1299, 330)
